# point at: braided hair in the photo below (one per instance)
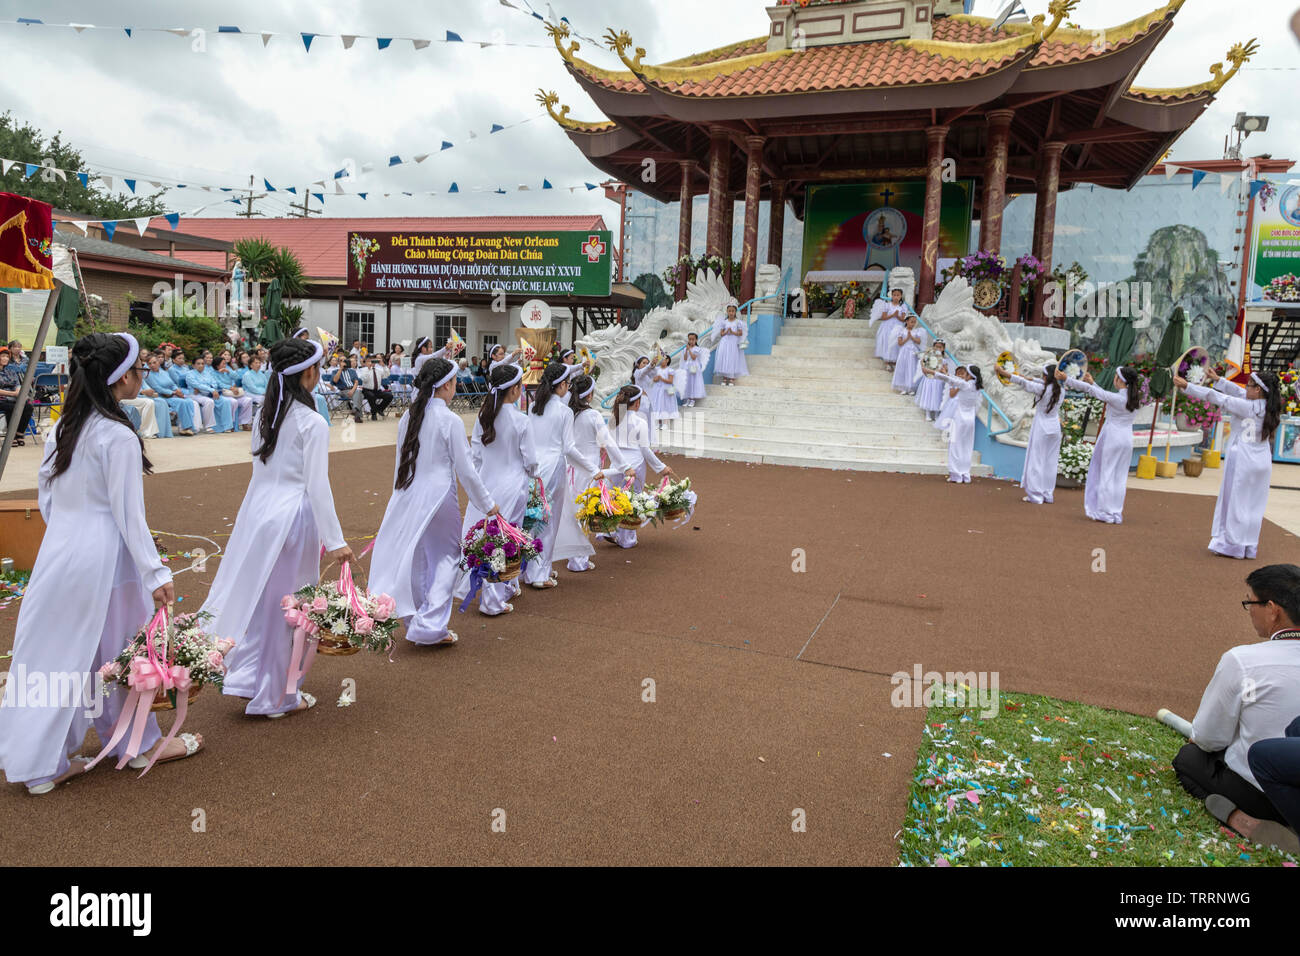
(487, 413)
(431, 372)
(284, 354)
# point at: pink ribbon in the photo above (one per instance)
(180, 679)
(301, 657)
(347, 587)
(511, 532)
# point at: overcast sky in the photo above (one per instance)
(149, 105)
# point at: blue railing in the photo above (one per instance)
(993, 406)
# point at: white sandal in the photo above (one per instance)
(193, 744)
(307, 699)
(44, 788)
(508, 609)
(451, 638)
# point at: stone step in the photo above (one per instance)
(803, 334)
(832, 325)
(851, 385)
(812, 446)
(725, 401)
(906, 422)
(836, 350)
(916, 465)
(913, 436)
(812, 367)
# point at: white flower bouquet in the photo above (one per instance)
(1075, 458)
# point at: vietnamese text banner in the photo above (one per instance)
(517, 263)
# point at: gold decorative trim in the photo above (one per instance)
(551, 100)
(1076, 36)
(559, 33)
(1239, 53)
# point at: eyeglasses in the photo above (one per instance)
(1246, 604)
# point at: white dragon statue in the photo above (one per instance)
(616, 348)
(978, 339)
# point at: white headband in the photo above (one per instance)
(566, 353)
(301, 334)
(590, 388)
(132, 353)
(635, 397)
(421, 343)
(1254, 377)
(519, 373)
(1119, 373)
(317, 353)
(448, 377)
(568, 370)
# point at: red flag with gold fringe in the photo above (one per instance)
(26, 236)
(1237, 358)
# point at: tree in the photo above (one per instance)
(264, 262)
(27, 144)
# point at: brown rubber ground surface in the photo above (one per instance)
(772, 686)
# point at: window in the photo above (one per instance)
(489, 342)
(443, 326)
(359, 325)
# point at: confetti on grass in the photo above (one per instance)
(1055, 783)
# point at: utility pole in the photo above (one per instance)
(249, 212)
(303, 211)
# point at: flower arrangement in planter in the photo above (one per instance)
(851, 290)
(1290, 400)
(1031, 270)
(1284, 288)
(690, 267)
(1076, 411)
(820, 301)
(1075, 458)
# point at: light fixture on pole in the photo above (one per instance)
(1243, 126)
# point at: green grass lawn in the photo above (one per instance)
(1054, 783)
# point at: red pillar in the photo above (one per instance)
(776, 227)
(935, 137)
(1049, 174)
(719, 175)
(753, 192)
(995, 180)
(686, 199)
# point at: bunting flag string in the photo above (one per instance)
(131, 180)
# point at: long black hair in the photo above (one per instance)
(94, 358)
(1050, 381)
(487, 413)
(577, 386)
(624, 400)
(636, 367)
(976, 375)
(1272, 404)
(1133, 382)
(284, 354)
(434, 370)
(546, 387)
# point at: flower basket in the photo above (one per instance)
(601, 508)
(166, 699)
(676, 500)
(342, 618)
(631, 523)
(495, 550)
(538, 512)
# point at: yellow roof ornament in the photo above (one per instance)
(1239, 53)
(560, 32)
(550, 100)
(1059, 9)
(619, 43)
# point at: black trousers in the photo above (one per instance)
(7, 410)
(379, 400)
(1276, 765)
(1202, 774)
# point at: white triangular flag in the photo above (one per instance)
(79, 224)
(348, 41)
(63, 176)
(422, 157)
(338, 188)
(6, 165)
(1225, 181)
(79, 27)
(107, 181)
(473, 135)
(142, 224)
(420, 44)
(266, 39)
(367, 167)
(523, 188)
(1170, 170)
(155, 185)
(179, 31)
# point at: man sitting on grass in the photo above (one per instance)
(1253, 695)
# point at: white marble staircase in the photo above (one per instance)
(820, 400)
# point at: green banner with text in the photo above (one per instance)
(518, 263)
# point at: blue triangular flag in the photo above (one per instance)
(362, 195)
(130, 184)
(1255, 186)
(500, 192)
(454, 37)
(30, 168)
(30, 20)
(128, 32)
(181, 186)
(454, 188)
(226, 189)
(496, 128)
(340, 174)
(109, 229)
(394, 160)
(306, 40)
(319, 197)
(384, 42)
(291, 189)
(590, 186)
(269, 187)
(228, 29)
(173, 218)
(546, 184)
(1197, 176)
(447, 145)
(85, 179)
(237, 202)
